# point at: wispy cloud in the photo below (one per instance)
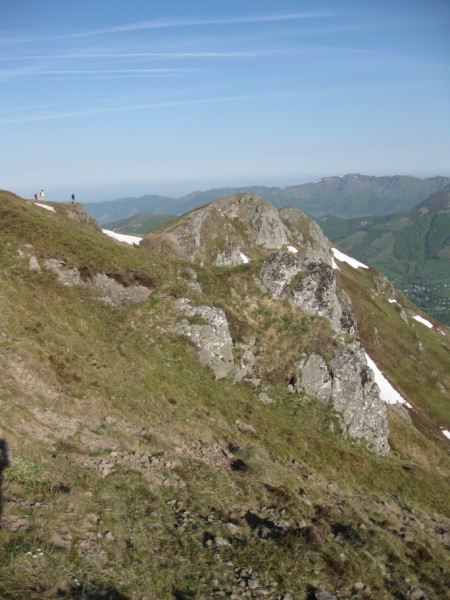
(172, 23)
(326, 92)
(157, 55)
(117, 109)
(106, 71)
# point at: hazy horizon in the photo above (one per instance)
(91, 194)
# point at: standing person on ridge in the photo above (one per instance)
(36, 196)
(41, 194)
(73, 198)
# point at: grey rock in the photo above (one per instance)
(113, 293)
(315, 377)
(108, 289)
(310, 285)
(305, 232)
(236, 221)
(265, 399)
(222, 542)
(212, 339)
(348, 382)
(245, 427)
(356, 396)
(416, 593)
(228, 256)
(65, 276)
(262, 218)
(33, 264)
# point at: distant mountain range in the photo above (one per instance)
(412, 248)
(349, 196)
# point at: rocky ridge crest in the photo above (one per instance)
(296, 267)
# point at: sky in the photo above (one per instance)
(108, 99)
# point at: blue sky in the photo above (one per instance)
(113, 98)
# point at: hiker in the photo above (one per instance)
(114, 227)
(36, 196)
(42, 194)
(73, 198)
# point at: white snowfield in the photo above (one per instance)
(340, 256)
(245, 259)
(44, 206)
(334, 265)
(387, 392)
(292, 250)
(423, 321)
(446, 433)
(122, 237)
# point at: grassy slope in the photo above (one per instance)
(81, 380)
(411, 249)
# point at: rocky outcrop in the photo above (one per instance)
(107, 289)
(356, 396)
(208, 330)
(348, 383)
(228, 256)
(306, 233)
(224, 232)
(76, 212)
(310, 285)
(262, 219)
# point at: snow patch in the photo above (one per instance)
(334, 265)
(45, 206)
(122, 237)
(423, 321)
(338, 255)
(292, 250)
(446, 433)
(387, 392)
(392, 301)
(245, 259)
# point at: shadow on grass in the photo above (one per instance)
(4, 462)
(80, 592)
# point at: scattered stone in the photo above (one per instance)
(245, 427)
(265, 399)
(222, 542)
(60, 542)
(33, 264)
(416, 593)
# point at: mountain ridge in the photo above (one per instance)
(348, 195)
